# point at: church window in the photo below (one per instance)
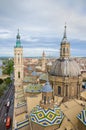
(63, 50)
(59, 90)
(18, 74)
(67, 50)
(44, 99)
(66, 90)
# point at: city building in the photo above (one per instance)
(50, 98)
(20, 119)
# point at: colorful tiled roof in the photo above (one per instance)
(22, 124)
(43, 77)
(34, 88)
(29, 79)
(82, 116)
(47, 117)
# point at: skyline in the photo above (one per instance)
(41, 25)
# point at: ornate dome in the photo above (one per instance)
(65, 67)
(47, 87)
(47, 117)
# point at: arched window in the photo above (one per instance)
(59, 90)
(19, 75)
(63, 50)
(66, 90)
(44, 99)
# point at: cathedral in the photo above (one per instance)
(65, 75)
(52, 103)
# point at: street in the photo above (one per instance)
(3, 108)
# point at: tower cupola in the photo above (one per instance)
(18, 42)
(65, 46)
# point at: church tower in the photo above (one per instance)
(18, 62)
(65, 46)
(43, 61)
(47, 96)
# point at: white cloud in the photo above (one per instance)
(6, 51)
(37, 18)
(45, 16)
(38, 51)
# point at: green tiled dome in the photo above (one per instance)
(18, 42)
(35, 88)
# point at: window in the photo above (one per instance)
(63, 50)
(66, 90)
(18, 74)
(59, 90)
(48, 99)
(44, 99)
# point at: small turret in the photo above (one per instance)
(18, 42)
(43, 61)
(65, 46)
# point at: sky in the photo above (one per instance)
(41, 24)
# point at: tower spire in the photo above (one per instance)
(65, 36)
(18, 42)
(18, 30)
(18, 36)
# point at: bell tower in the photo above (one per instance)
(43, 61)
(65, 46)
(18, 62)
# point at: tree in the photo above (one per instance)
(7, 81)
(1, 81)
(7, 67)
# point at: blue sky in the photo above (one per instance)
(41, 24)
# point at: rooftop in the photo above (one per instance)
(47, 117)
(65, 67)
(43, 77)
(82, 116)
(34, 88)
(29, 79)
(71, 110)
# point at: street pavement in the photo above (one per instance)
(8, 95)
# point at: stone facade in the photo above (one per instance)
(18, 68)
(67, 87)
(65, 76)
(39, 127)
